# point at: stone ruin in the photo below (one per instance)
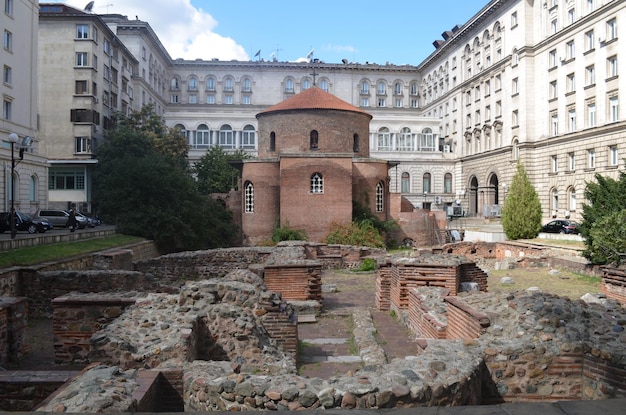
(224, 341)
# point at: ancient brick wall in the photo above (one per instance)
(422, 320)
(13, 321)
(298, 282)
(24, 390)
(614, 284)
(603, 378)
(76, 317)
(464, 322)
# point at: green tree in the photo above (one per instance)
(214, 173)
(144, 186)
(605, 199)
(521, 213)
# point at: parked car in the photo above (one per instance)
(23, 222)
(91, 222)
(561, 226)
(60, 217)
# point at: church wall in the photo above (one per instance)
(259, 224)
(366, 175)
(315, 212)
(335, 130)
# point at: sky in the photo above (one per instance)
(390, 31)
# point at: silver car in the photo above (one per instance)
(59, 217)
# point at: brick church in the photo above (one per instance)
(313, 162)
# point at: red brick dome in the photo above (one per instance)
(313, 98)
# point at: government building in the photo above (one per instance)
(522, 80)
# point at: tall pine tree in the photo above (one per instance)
(521, 213)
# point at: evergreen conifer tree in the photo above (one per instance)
(521, 213)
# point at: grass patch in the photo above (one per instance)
(44, 253)
(352, 347)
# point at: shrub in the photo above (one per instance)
(368, 264)
(286, 233)
(362, 233)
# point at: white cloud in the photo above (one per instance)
(185, 31)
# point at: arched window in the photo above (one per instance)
(184, 132)
(203, 137)
(405, 140)
(317, 183)
(381, 88)
(426, 179)
(306, 84)
(405, 183)
(324, 85)
(32, 190)
(226, 137)
(289, 86)
(249, 197)
(248, 137)
(210, 84)
(397, 88)
(515, 149)
(272, 141)
(554, 202)
(572, 199)
(365, 88)
(314, 140)
(355, 143)
(384, 139)
(174, 84)
(246, 85)
(447, 183)
(380, 197)
(228, 84)
(193, 84)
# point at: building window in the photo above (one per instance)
(552, 58)
(7, 75)
(226, 137)
(210, 99)
(193, 99)
(249, 197)
(365, 102)
(515, 149)
(365, 88)
(66, 179)
(174, 99)
(355, 143)
(427, 140)
(83, 145)
(202, 137)
(248, 137)
(405, 140)
(289, 86)
(613, 109)
(447, 183)
(210, 84)
(82, 31)
(611, 29)
(405, 182)
(228, 85)
(32, 189)
(380, 197)
(590, 5)
(272, 141)
(591, 158)
(554, 164)
(554, 26)
(324, 85)
(591, 114)
(228, 99)
(571, 157)
(555, 124)
(384, 139)
(82, 59)
(613, 156)
(515, 118)
(8, 41)
(317, 183)
(381, 102)
(381, 88)
(426, 179)
(571, 83)
(570, 50)
(246, 85)
(571, 16)
(554, 90)
(590, 40)
(555, 202)
(572, 199)
(8, 7)
(611, 67)
(513, 19)
(397, 88)
(174, 85)
(314, 140)
(572, 120)
(590, 75)
(192, 84)
(6, 109)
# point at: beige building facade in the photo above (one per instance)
(18, 58)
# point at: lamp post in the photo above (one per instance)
(13, 138)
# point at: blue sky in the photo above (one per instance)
(394, 31)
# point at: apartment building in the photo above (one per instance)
(28, 181)
(536, 82)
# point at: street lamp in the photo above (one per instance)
(13, 138)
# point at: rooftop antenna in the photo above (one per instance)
(89, 7)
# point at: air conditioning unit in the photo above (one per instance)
(457, 210)
(446, 149)
(437, 200)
